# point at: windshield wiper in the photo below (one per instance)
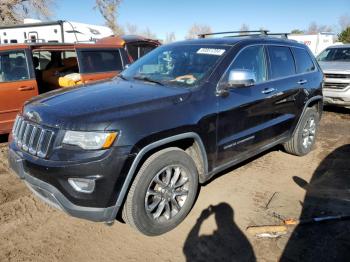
(147, 79)
(123, 77)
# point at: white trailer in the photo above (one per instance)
(57, 31)
(317, 42)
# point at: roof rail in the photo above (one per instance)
(240, 33)
(283, 35)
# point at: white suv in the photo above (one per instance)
(335, 64)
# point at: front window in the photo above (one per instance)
(253, 59)
(176, 65)
(13, 66)
(341, 54)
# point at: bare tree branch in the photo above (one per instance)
(109, 11)
(344, 22)
(315, 28)
(170, 37)
(131, 29)
(148, 33)
(14, 11)
(197, 29)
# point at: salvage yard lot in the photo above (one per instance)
(254, 193)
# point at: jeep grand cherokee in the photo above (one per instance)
(141, 144)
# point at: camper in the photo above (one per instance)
(34, 31)
(316, 42)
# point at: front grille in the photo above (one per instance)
(32, 138)
(342, 76)
(338, 86)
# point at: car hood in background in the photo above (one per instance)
(338, 67)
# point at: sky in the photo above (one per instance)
(165, 16)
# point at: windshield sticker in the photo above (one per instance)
(211, 51)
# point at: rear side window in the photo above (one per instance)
(281, 62)
(96, 61)
(303, 61)
(13, 66)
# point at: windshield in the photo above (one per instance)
(335, 54)
(176, 65)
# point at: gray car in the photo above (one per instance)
(335, 64)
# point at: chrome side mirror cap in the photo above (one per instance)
(241, 78)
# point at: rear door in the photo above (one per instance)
(288, 86)
(97, 64)
(17, 85)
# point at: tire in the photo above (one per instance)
(177, 174)
(298, 144)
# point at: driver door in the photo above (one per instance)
(245, 114)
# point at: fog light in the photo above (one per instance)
(83, 185)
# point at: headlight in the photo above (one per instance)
(90, 140)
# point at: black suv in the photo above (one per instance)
(139, 145)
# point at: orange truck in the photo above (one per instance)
(30, 69)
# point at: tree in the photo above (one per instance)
(197, 29)
(170, 37)
(297, 32)
(109, 11)
(14, 11)
(244, 27)
(148, 33)
(315, 28)
(345, 35)
(131, 29)
(344, 22)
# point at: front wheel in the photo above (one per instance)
(162, 193)
(304, 136)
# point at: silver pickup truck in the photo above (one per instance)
(335, 64)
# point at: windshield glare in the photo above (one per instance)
(176, 65)
(335, 54)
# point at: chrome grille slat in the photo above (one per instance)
(335, 85)
(16, 123)
(21, 134)
(31, 137)
(26, 137)
(343, 76)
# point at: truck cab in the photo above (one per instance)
(28, 70)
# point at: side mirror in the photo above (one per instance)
(241, 78)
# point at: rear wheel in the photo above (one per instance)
(162, 193)
(304, 136)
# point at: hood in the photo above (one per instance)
(95, 106)
(339, 67)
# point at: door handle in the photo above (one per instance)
(301, 82)
(268, 90)
(26, 88)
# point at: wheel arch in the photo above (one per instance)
(146, 151)
(314, 101)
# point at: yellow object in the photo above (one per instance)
(70, 80)
(109, 140)
(255, 230)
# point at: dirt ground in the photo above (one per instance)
(254, 193)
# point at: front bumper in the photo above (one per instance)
(339, 97)
(59, 198)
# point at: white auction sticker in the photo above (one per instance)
(211, 51)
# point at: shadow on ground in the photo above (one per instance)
(3, 138)
(327, 194)
(227, 243)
